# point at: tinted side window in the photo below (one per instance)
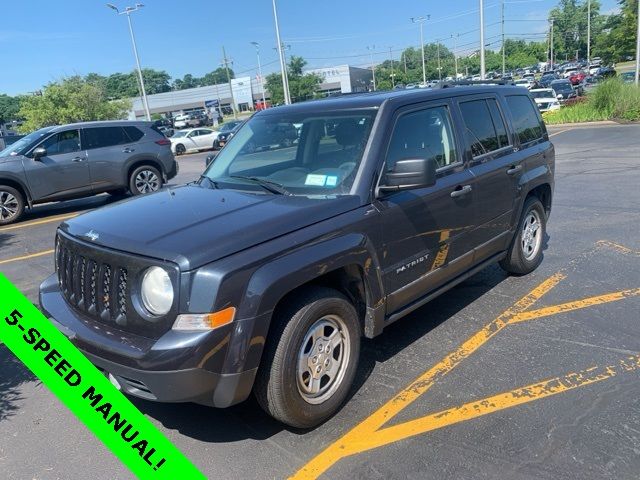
(105, 137)
(480, 128)
(498, 122)
(136, 134)
(63, 142)
(423, 134)
(525, 118)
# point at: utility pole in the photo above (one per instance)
(638, 50)
(393, 80)
(455, 48)
(421, 21)
(283, 65)
(373, 70)
(225, 63)
(439, 67)
(504, 53)
(482, 60)
(404, 57)
(551, 47)
(588, 34)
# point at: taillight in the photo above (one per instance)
(163, 141)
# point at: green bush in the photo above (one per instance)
(611, 100)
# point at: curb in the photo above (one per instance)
(600, 123)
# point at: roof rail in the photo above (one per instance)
(461, 83)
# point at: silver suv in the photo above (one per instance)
(82, 159)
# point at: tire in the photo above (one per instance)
(145, 179)
(11, 205)
(525, 253)
(180, 149)
(288, 391)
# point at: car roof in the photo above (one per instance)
(104, 123)
(373, 100)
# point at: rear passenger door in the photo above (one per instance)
(108, 150)
(497, 167)
(425, 230)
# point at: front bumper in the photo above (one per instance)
(177, 367)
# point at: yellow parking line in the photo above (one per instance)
(495, 403)
(26, 257)
(575, 305)
(344, 446)
(617, 247)
(39, 222)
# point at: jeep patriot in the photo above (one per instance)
(264, 275)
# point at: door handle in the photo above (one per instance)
(77, 159)
(128, 150)
(513, 169)
(461, 191)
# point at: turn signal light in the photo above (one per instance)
(204, 321)
(163, 141)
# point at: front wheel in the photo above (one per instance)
(310, 362)
(145, 179)
(180, 149)
(11, 205)
(525, 253)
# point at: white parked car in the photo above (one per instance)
(193, 140)
(186, 120)
(524, 82)
(569, 71)
(546, 99)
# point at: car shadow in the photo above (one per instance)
(248, 421)
(41, 212)
(14, 375)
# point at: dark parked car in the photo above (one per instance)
(563, 90)
(547, 78)
(227, 130)
(606, 72)
(265, 274)
(77, 160)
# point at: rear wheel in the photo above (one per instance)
(311, 360)
(11, 205)
(525, 253)
(145, 179)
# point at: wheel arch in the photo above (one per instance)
(141, 162)
(18, 185)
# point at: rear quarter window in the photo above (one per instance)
(136, 134)
(527, 122)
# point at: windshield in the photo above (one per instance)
(542, 94)
(227, 127)
(305, 153)
(25, 142)
(180, 134)
(562, 87)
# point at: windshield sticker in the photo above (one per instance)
(316, 180)
(332, 181)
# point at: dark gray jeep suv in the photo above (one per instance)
(265, 274)
(81, 159)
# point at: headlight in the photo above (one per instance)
(157, 291)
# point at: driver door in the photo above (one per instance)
(63, 171)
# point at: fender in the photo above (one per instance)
(272, 281)
(16, 179)
(142, 160)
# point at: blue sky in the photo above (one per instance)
(44, 40)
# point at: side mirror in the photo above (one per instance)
(39, 152)
(409, 174)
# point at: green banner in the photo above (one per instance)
(87, 392)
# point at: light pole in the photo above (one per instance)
(257, 45)
(588, 34)
(393, 75)
(504, 53)
(455, 55)
(638, 50)
(128, 11)
(421, 21)
(439, 67)
(482, 62)
(551, 47)
(373, 70)
(283, 66)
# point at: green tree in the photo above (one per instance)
(9, 107)
(617, 41)
(570, 27)
(218, 76)
(301, 86)
(188, 81)
(70, 100)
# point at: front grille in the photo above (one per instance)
(94, 287)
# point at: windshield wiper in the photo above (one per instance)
(273, 187)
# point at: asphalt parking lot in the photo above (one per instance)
(502, 377)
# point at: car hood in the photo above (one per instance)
(192, 225)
